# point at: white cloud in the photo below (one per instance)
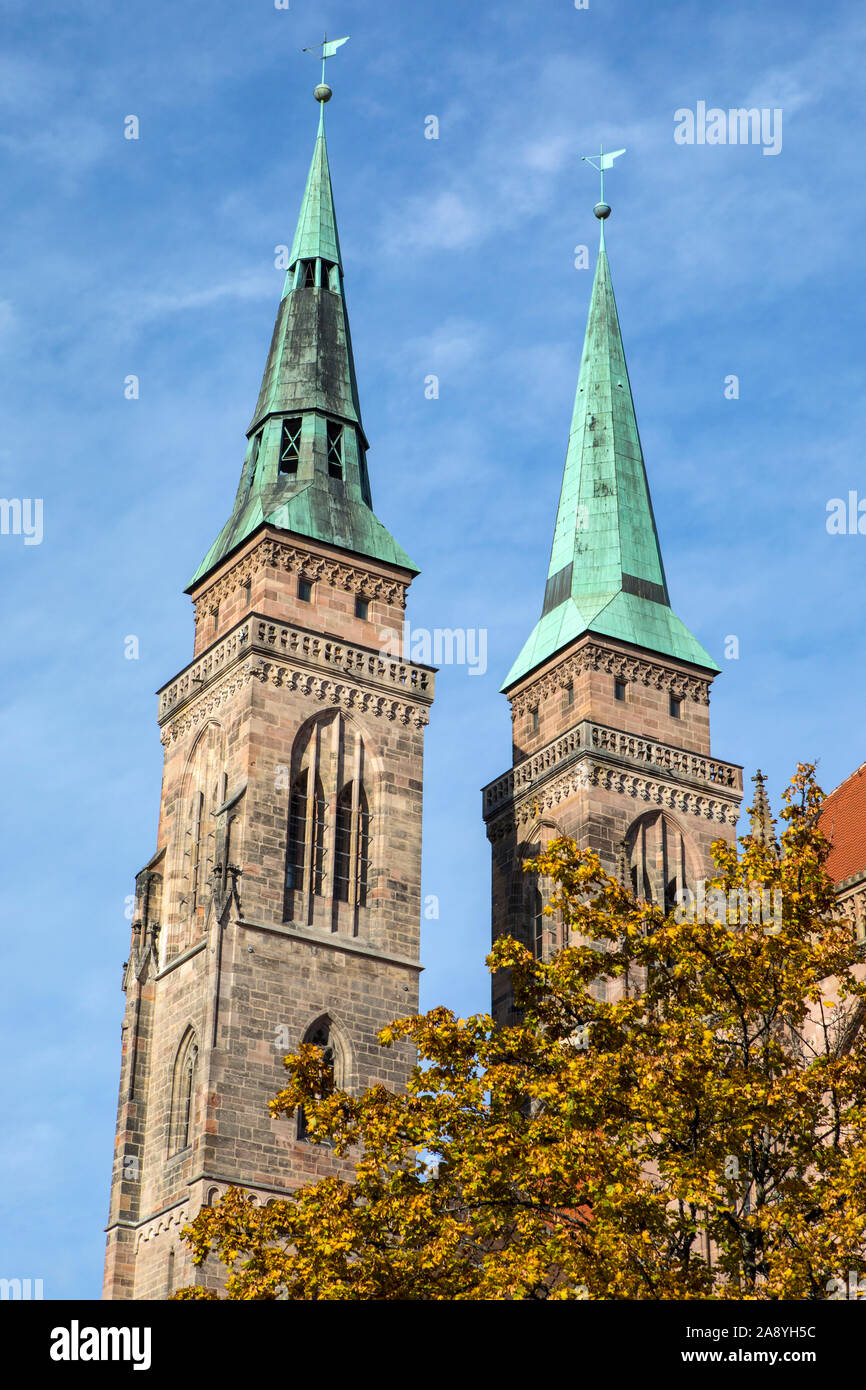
(245, 286)
(445, 222)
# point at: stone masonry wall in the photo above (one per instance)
(247, 975)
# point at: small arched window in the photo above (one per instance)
(321, 1035)
(183, 1093)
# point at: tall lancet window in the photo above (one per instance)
(183, 1093)
(195, 855)
(352, 845)
(307, 817)
(329, 830)
(204, 790)
(538, 925)
(659, 860)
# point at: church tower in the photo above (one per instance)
(610, 694)
(283, 901)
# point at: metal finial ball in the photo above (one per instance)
(323, 92)
(601, 210)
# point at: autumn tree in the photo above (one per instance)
(694, 1128)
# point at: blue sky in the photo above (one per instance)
(155, 257)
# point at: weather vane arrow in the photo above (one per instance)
(602, 161)
(328, 49)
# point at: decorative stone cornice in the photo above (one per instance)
(649, 790)
(346, 694)
(333, 660)
(618, 664)
(274, 554)
(175, 1218)
(586, 738)
(523, 774)
(202, 708)
(343, 693)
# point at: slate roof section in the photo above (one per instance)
(606, 573)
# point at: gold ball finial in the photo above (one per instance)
(323, 92)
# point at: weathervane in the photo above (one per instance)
(329, 48)
(605, 161)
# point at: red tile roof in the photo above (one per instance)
(843, 821)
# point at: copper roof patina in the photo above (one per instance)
(309, 377)
(606, 574)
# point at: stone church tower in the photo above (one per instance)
(283, 901)
(610, 694)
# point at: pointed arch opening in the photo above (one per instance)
(540, 932)
(183, 1093)
(329, 843)
(324, 1035)
(194, 856)
(660, 859)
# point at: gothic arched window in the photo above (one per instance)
(329, 830)
(204, 791)
(658, 859)
(321, 1035)
(183, 1093)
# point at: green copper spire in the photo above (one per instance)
(606, 574)
(316, 232)
(305, 469)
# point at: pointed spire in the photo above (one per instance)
(316, 232)
(305, 469)
(606, 573)
(760, 817)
